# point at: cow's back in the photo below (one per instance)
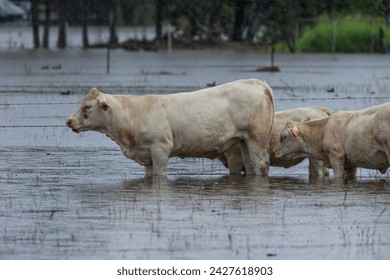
(243, 98)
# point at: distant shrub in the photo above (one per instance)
(345, 35)
(281, 47)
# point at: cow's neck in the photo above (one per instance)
(121, 121)
(312, 133)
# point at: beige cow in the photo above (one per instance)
(232, 159)
(206, 123)
(344, 141)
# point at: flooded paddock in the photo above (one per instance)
(75, 196)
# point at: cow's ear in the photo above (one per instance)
(94, 92)
(104, 104)
(294, 131)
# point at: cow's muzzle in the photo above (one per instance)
(70, 124)
(276, 153)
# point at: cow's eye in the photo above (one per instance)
(283, 138)
(86, 107)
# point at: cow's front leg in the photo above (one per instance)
(160, 159)
(317, 168)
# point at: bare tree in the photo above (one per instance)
(386, 10)
(35, 23)
(114, 6)
(239, 19)
(46, 30)
(84, 10)
(158, 19)
(61, 6)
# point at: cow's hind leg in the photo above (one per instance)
(256, 157)
(350, 174)
(148, 170)
(234, 160)
(337, 160)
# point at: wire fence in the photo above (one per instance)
(38, 103)
(31, 126)
(76, 103)
(276, 99)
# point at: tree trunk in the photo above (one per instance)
(238, 27)
(35, 23)
(61, 43)
(46, 30)
(382, 42)
(113, 21)
(386, 10)
(158, 18)
(84, 7)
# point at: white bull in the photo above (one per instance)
(232, 159)
(206, 123)
(344, 141)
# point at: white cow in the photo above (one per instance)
(232, 159)
(206, 123)
(344, 141)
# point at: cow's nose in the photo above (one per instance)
(69, 122)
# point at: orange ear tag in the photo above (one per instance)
(294, 132)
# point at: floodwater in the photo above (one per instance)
(75, 196)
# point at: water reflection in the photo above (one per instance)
(190, 216)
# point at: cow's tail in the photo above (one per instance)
(269, 93)
(268, 90)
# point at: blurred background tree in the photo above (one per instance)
(260, 22)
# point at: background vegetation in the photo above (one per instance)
(344, 34)
(303, 25)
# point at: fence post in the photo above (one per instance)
(108, 59)
(334, 35)
(169, 34)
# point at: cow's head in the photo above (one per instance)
(91, 114)
(289, 145)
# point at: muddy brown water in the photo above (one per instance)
(75, 196)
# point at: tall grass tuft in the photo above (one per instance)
(348, 34)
